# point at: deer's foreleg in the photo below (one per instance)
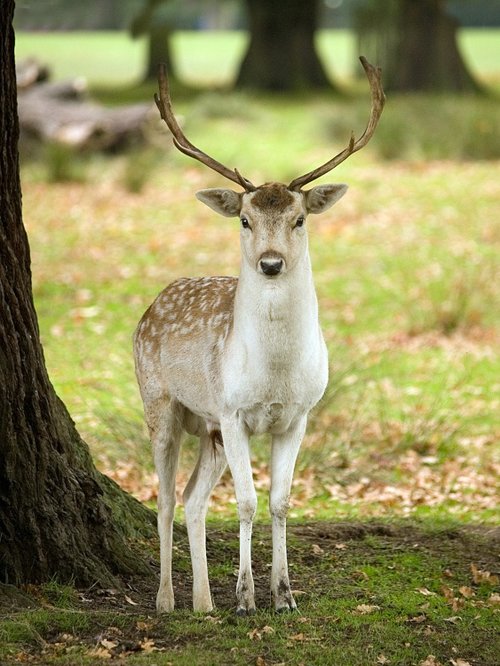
(284, 455)
(236, 446)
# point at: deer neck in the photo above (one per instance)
(276, 312)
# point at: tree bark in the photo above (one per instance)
(428, 57)
(281, 54)
(59, 517)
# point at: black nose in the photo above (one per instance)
(271, 266)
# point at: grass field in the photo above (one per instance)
(406, 268)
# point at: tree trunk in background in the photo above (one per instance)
(158, 52)
(415, 43)
(151, 23)
(427, 57)
(59, 517)
(281, 53)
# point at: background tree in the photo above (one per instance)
(154, 21)
(58, 515)
(281, 54)
(415, 42)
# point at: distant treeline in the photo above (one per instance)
(205, 14)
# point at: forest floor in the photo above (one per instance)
(368, 593)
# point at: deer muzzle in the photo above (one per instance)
(271, 264)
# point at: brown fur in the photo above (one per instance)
(272, 195)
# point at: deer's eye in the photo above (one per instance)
(244, 223)
(300, 221)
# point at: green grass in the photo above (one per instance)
(366, 593)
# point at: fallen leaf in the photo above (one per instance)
(148, 645)
(129, 600)
(426, 592)
(479, 576)
(254, 635)
(101, 653)
(317, 550)
(340, 546)
(447, 592)
(466, 592)
(364, 609)
(418, 619)
(460, 662)
(454, 619)
(109, 645)
(430, 660)
(382, 659)
(144, 626)
(297, 637)
(494, 598)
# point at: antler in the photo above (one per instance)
(182, 143)
(378, 100)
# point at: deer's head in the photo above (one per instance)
(273, 221)
(273, 233)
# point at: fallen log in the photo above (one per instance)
(61, 113)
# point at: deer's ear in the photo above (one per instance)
(321, 197)
(224, 202)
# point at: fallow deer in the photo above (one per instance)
(224, 358)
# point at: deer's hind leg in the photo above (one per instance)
(164, 420)
(211, 463)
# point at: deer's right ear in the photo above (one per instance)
(225, 202)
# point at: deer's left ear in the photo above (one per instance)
(321, 197)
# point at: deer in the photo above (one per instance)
(225, 358)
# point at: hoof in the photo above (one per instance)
(244, 612)
(286, 609)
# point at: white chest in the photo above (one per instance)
(275, 364)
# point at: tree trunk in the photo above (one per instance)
(415, 43)
(149, 22)
(427, 56)
(59, 517)
(158, 52)
(281, 53)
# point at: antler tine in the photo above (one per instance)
(182, 143)
(378, 100)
